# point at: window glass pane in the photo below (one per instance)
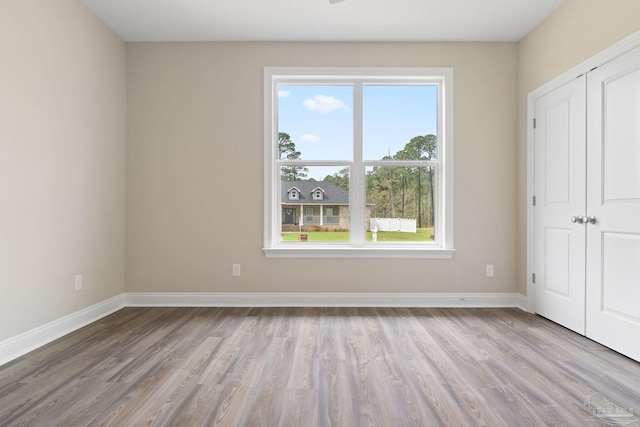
(400, 204)
(315, 122)
(311, 218)
(393, 116)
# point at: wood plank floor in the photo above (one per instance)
(320, 367)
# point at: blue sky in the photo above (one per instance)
(320, 119)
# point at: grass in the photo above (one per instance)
(421, 235)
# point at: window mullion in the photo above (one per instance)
(357, 194)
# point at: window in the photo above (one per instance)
(317, 194)
(293, 194)
(374, 150)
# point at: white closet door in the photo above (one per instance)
(559, 243)
(613, 185)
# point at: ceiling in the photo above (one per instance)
(320, 20)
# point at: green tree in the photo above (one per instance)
(287, 151)
(376, 193)
(383, 186)
(407, 192)
(340, 178)
(423, 147)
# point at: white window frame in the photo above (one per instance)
(442, 247)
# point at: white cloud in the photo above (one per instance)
(309, 137)
(324, 104)
(283, 93)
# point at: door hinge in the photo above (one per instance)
(534, 123)
(533, 278)
(534, 200)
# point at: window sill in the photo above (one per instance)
(317, 251)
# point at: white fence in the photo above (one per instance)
(393, 224)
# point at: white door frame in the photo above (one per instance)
(603, 57)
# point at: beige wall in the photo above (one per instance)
(575, 32)
(195, 170)
(62, 161)
(195, 148)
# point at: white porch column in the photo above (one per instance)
(321, 219)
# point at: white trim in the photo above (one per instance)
(347, 251)
(19, 345)
(521, 302)
(326, 300)
(608, 54)
(529, 201)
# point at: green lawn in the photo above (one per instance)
(421, 235)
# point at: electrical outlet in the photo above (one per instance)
(78, 282)
(489, 270)
(235, 270)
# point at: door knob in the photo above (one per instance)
(591, 219)
(578, 219)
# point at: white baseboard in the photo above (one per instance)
(19, 345)
(325, 300)
(522, 302)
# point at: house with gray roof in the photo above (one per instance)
(315, 205)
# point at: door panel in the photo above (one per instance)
(613, 183)
(621, 112)
(620, 269)
(557, 261)
(557, 148)
(559, 244)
